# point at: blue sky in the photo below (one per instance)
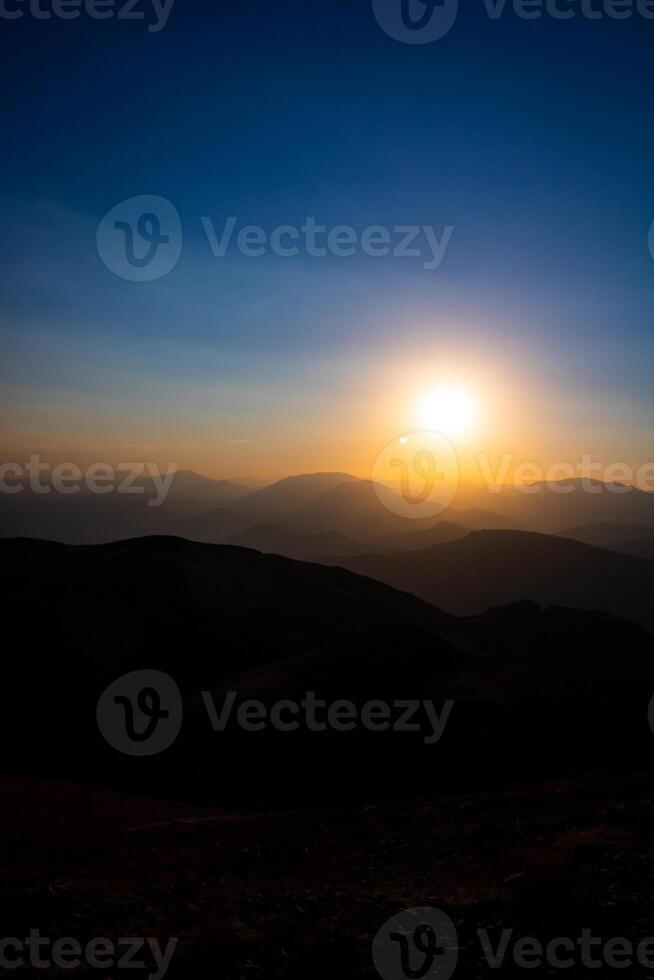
(534, 139)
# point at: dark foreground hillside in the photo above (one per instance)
(275, 854)
(257, 895)
(523, 691)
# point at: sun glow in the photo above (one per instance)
(448, 409)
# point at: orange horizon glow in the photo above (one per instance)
(337, 416)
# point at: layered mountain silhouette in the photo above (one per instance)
(488, 568)
(282, 539)
(220, 510)
(221, 618)
(189, 488)
(89, 518)
(278, 503)
(552, 507)
(630, 539)
(224, 511)
(440, 533)
(313, 503)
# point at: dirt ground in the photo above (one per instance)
(303, 893)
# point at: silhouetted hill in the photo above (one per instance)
(220, 511)
(220, 619)
(489, 568)
(250, 482)
(276, 503)
(451, 525)
(567, 503)
(326, 504)
(639, 549)
(189, 488)
(91, 518)
(477, 519)
(217, 610)
(440, 533)
(284, 497)
(310, 504)
(281, 539)
(355, 510)
(349, 506)
(630, 539)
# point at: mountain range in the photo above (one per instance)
(467, 559)
(214, 509)
(488, 568)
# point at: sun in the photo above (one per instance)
(448, 409)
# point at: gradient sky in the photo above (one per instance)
(534, 139)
